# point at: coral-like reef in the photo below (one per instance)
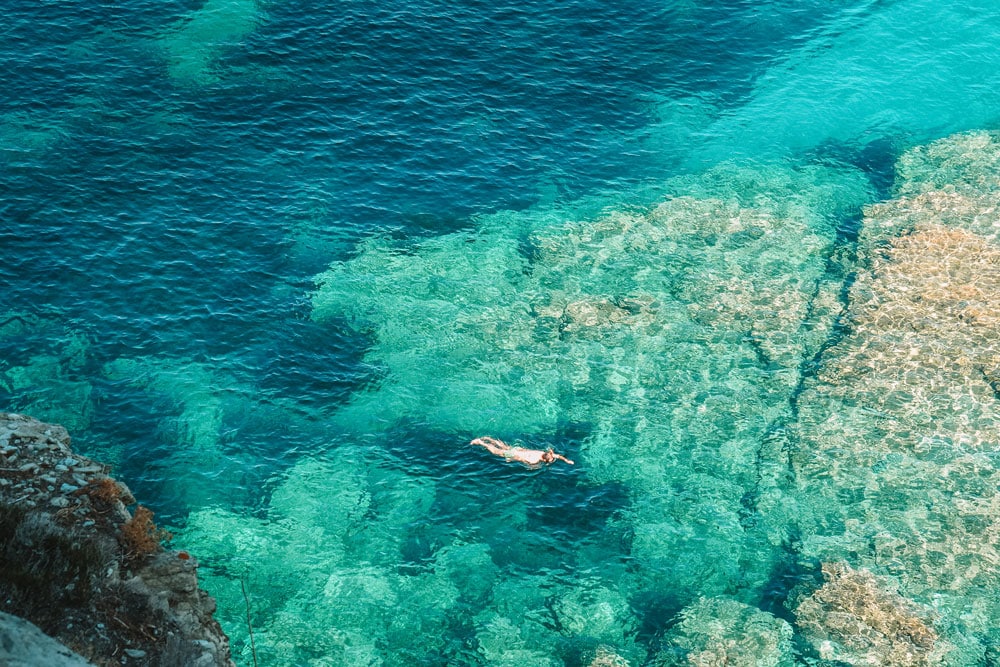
(675, 334)
(479, 329)
(893, 444)
(854, 618)
(714, 632)
(605, 657)
(324, 557)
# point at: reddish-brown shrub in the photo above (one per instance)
(104, 490)
(140, 536)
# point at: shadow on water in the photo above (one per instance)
(315, 365)
(792, 577)
(578, 513)
(789, 573)
(657, 612)
(876, 158)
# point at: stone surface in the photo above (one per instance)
(893, 449)
(87, 571)
(856, 619)
(22, 644)
(717, 632)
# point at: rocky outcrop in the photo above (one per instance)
(83, 568)
(22, 644)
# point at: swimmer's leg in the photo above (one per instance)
(494, 446)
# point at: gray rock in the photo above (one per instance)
(85, 564)
(22, 644)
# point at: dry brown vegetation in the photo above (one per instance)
(104, 490)
(141, 537)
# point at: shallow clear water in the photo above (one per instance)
(279, 262)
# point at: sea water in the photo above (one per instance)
(278, 263)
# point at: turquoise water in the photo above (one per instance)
(279, 262)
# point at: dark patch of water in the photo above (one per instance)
(876, 158)
(790, 572)
(657, 612)
(316, 365)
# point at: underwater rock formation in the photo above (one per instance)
(893, 446)
(341, 556)
(714, 632)
(193, 46)
(325, 556)
(853, 618)
(605, 657)
(512, 324)
(675, 334)
(42, 376)
(79, 565)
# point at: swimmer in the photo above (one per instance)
(532, 458)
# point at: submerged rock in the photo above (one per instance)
(675, 335)
(605, 657)
(87, 571)
(42, 362)
(718, 631)
(192, 48)
(894, 446)
(854, 618)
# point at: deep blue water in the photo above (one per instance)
(175, 175)
(160, 215)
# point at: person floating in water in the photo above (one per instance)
(532, 458)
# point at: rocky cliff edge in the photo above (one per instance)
(78, 564)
